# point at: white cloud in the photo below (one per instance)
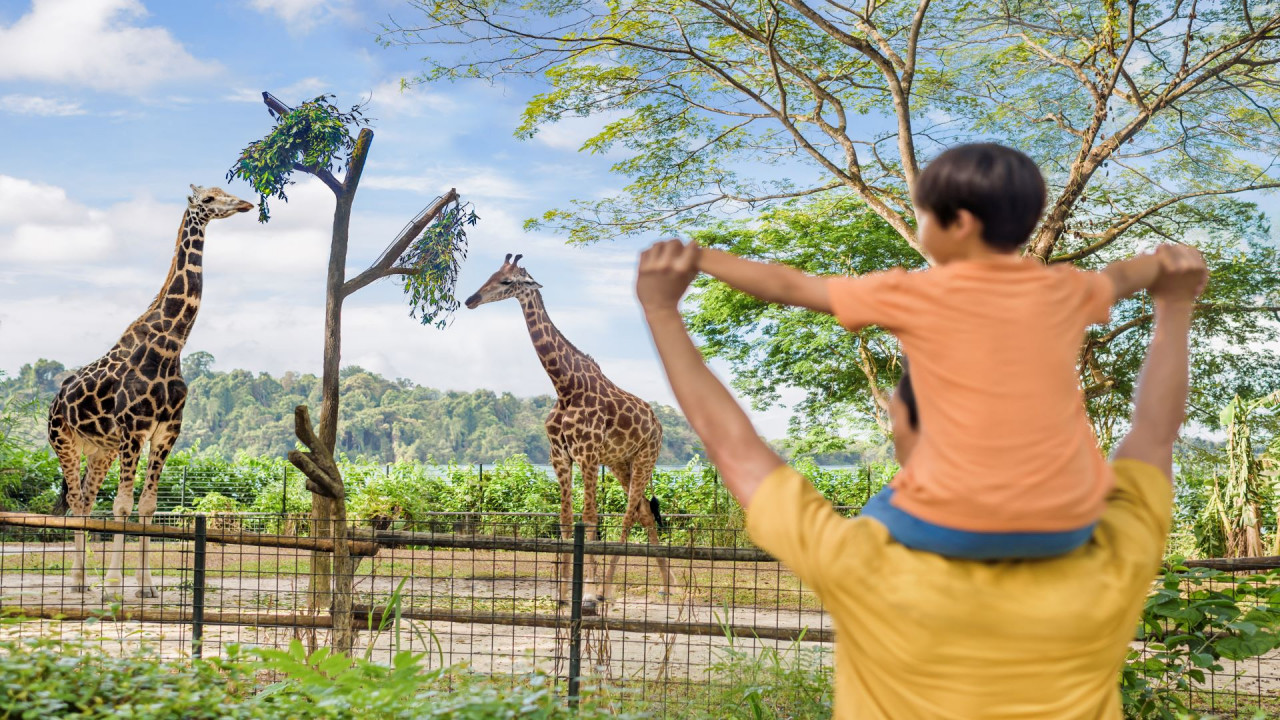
(74, 276)
(95, 44)
(571, 132)
(36, 105)
(390, 99)
(305, 89)
(303, 14)
(471, 183)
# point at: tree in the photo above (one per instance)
(1147, 117)
(844, 377)
(316, 138)
(197, 365)
(769, 346)
(1230, 525)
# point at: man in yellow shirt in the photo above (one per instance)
(923, 636)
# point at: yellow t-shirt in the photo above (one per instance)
(1005, 444)
(922, 636)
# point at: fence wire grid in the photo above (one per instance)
(494, 592)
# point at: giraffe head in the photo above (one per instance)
(213, 204)
(511, 280)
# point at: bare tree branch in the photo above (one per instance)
(385, 263)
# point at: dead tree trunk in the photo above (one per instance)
(324, 480)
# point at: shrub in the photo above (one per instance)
(45, 678)
(1194, 620)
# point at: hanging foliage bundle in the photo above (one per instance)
(316, 135)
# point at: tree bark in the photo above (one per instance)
(324, 480)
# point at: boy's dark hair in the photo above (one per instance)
(908, 395)
(1001, 187)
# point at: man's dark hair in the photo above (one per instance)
(1001, 187)
(908, 396)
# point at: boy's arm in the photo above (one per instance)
(1137, 273)
(744, 460)
(768, 281)
(1160, 406)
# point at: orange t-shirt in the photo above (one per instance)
(1005, 444)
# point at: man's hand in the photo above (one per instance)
(666, 270)
(1183, 274)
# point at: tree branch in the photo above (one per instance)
(1127, 222)
(383, 266)
(323, 476)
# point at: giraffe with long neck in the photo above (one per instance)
(132, 396)
(593, 423)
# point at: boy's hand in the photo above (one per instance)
(1183, 274)
(666, 270)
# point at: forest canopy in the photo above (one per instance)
(235, 412)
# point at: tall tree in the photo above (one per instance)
(843, 377)
(1148, 117)
(316, 138)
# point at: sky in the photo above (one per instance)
(110, 108)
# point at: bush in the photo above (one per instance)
(794, 682)
(1194, 620)
(45, 678)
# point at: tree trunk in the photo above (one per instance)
(331, 582)
(323, 511)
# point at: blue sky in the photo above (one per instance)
(111, 107)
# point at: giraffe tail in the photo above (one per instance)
(658, 520)
(61, 507)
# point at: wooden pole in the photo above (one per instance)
(375, 615)
(400, 538)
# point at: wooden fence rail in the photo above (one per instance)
(367, 616)
(104, 525)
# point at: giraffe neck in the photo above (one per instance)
(566, 365)
(173, 312)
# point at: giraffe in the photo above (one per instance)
(593, 423)
(134, 395)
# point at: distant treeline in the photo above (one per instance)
(240, 412)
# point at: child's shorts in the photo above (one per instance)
(920, 535)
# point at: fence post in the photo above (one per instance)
(182, 495)
(197, 592)
(284, 497)
(575, 615)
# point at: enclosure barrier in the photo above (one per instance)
(446, 595)
(580, 627)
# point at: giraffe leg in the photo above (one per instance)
(638, 509)
(623, 473)
(162, 441)
(130, 451)
(80, 499)
(563, 467)
(69, 459)
(638, 506)
(590, 468)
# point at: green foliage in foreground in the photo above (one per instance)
(1193, 624)
(47, 678)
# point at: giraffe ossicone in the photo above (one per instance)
(133, 396)
(594, 423)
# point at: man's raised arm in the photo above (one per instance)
(744, 460)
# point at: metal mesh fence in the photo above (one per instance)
(495, 592)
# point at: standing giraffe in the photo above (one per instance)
(593, 423)
(133, 395)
